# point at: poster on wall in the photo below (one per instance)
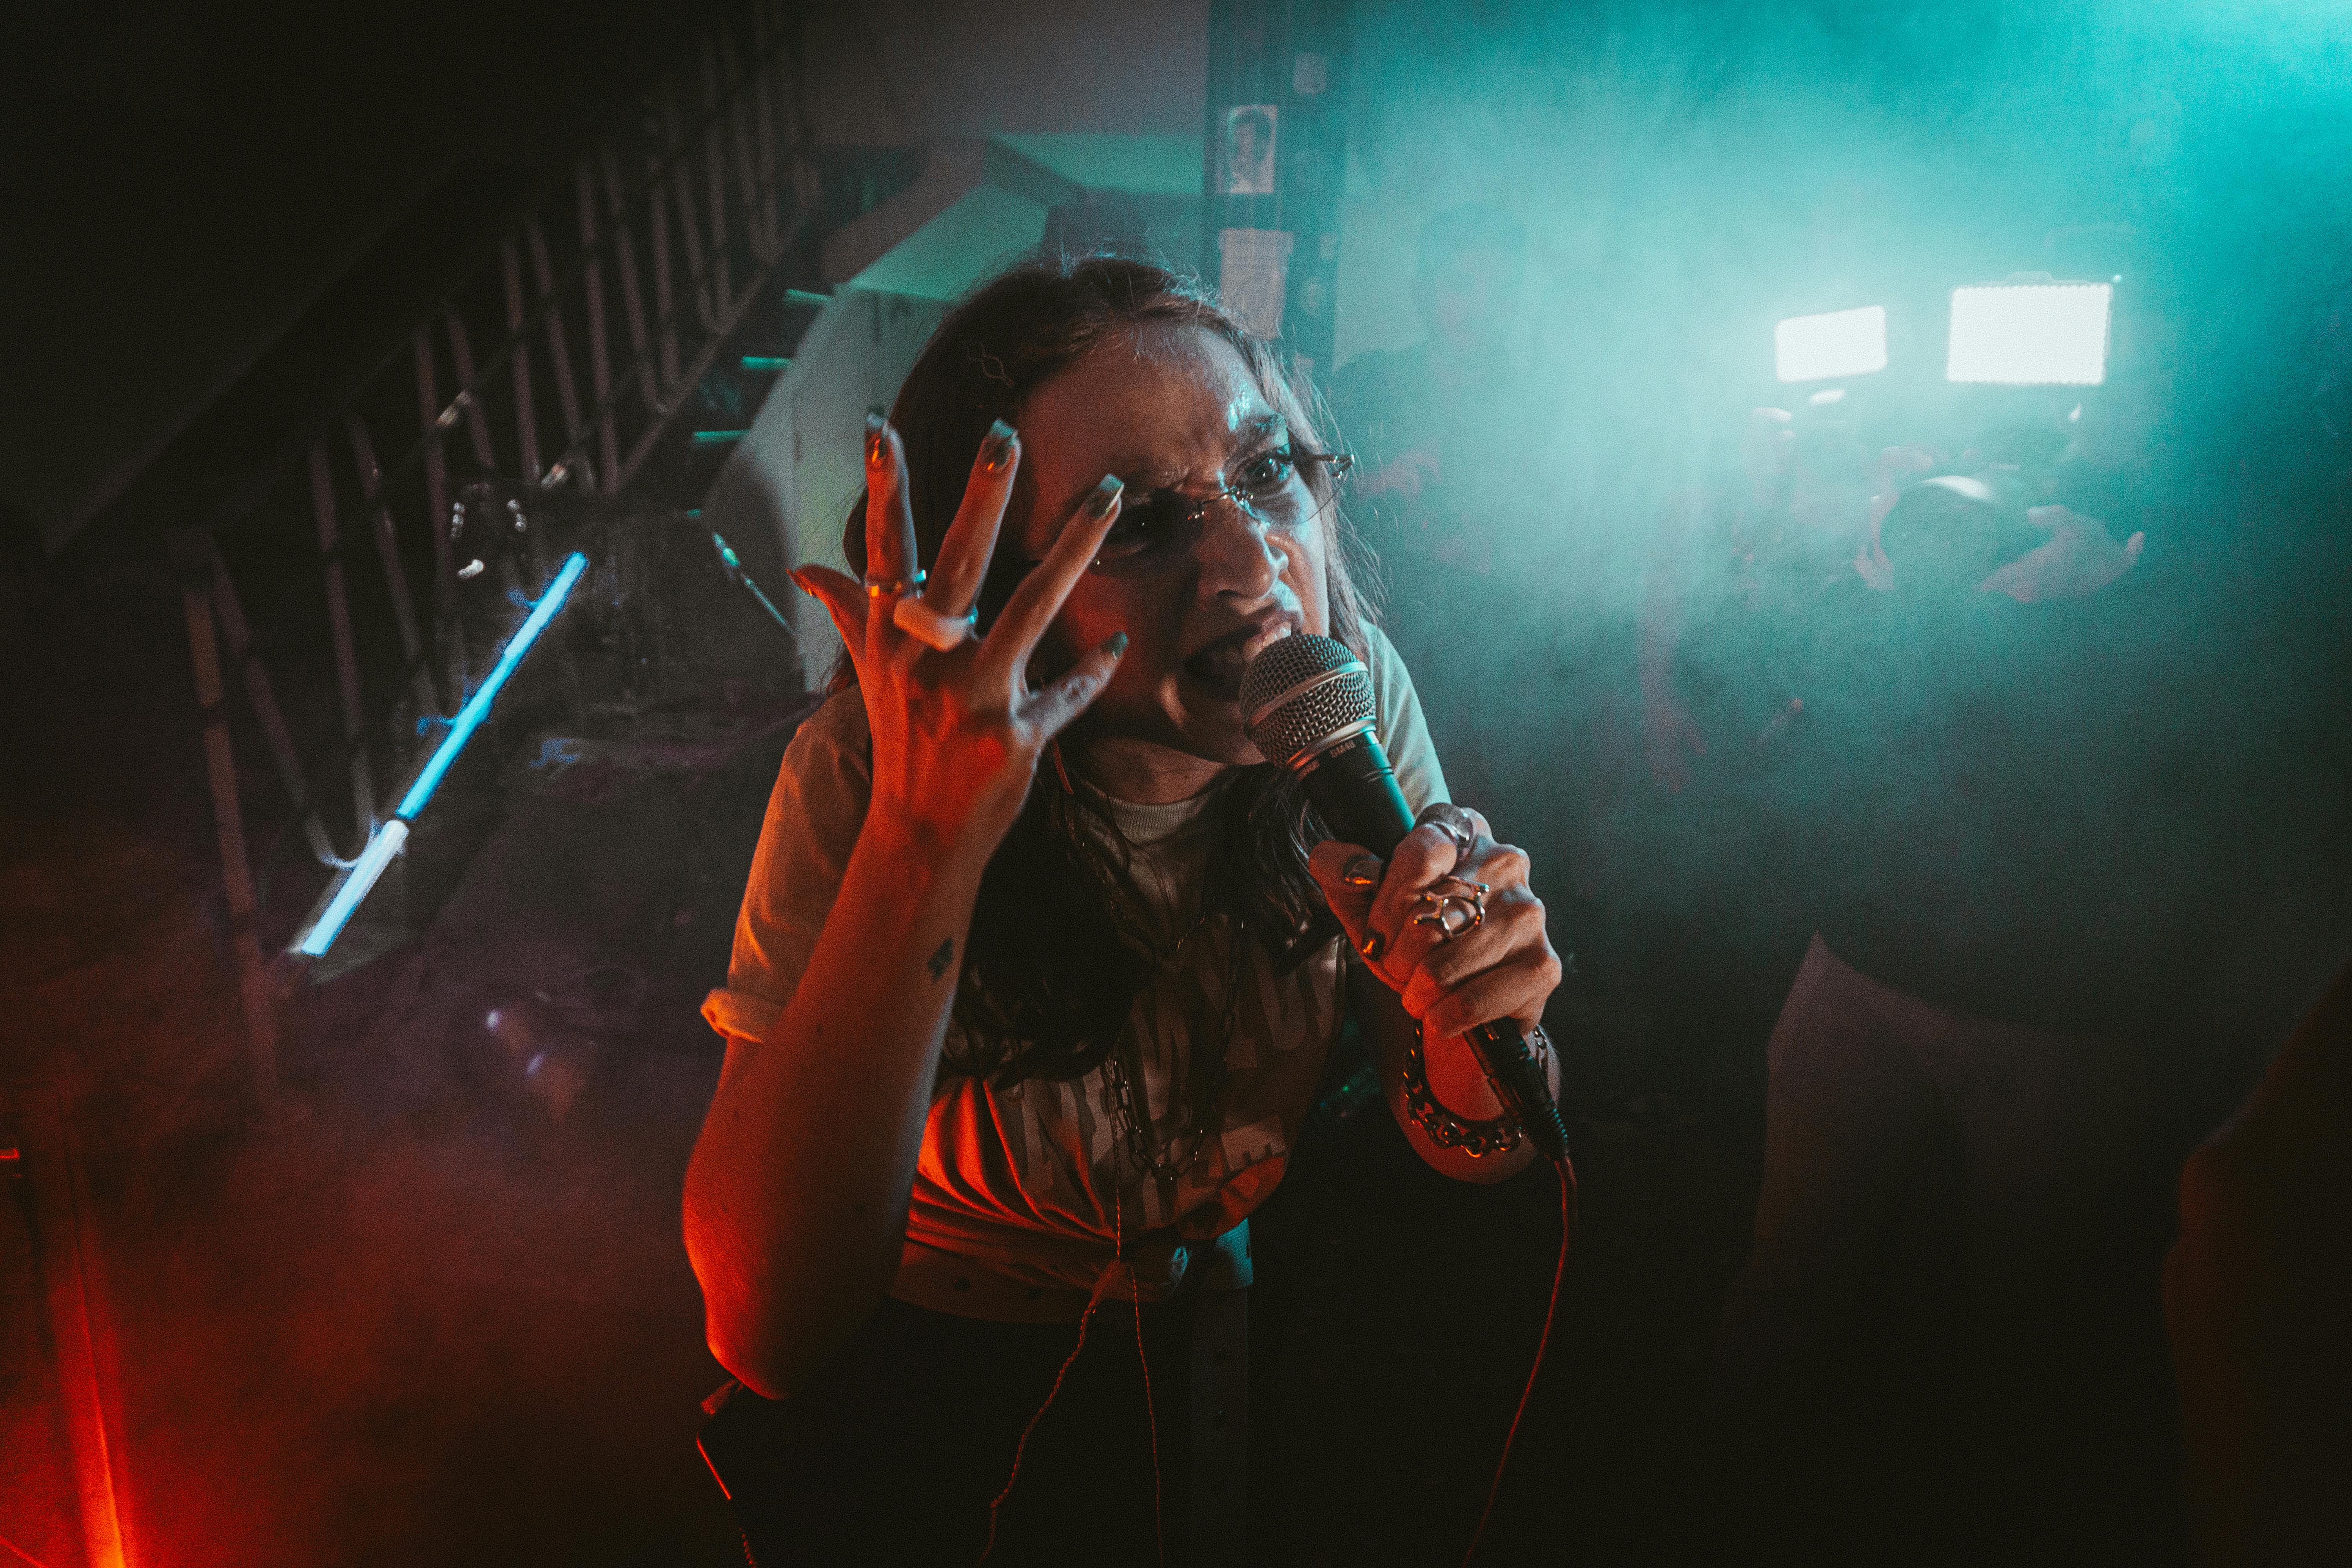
(1255, 277)
(1273, 154)
(1249, 149)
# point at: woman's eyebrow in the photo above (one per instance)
(1256, 435)
(1269, 426)
(1258, 431)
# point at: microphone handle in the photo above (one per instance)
(1355, 790)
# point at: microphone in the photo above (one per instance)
(1307, 704)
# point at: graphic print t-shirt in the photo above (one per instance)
(1025, 1194)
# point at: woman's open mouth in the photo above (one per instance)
(1219, 666)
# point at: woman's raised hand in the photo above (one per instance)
(957, 734)
(1502, 966)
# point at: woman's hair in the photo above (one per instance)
(1061, 939)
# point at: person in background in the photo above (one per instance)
(1450, 443)
(2257, 1293)
(1738, 582)
(1497, 579)
(1743, 584)
(1943, 1341)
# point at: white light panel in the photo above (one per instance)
(2030, 334)
(1843, 342)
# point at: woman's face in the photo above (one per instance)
(1168, 409)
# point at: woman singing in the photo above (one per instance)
(1036, 974)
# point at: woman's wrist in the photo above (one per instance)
(1478, 1136)
(910, 879)
(905, 832)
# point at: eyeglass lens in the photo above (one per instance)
(1157, 530)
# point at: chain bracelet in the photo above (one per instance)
(1478, 1139)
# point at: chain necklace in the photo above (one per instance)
(1126, 1107)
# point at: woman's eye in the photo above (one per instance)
(1139, 525)
(1268, 471)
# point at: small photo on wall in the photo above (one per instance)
(1249, 150)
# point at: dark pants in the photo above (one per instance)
(894, 1453)
(1943, 1345)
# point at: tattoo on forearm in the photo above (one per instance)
(937, 962)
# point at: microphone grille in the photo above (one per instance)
(1301, 692)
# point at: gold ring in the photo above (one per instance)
(887, 587)
(1446, 908)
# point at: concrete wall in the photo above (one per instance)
(797, 473)
(905, 71)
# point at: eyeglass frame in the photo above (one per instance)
(1338, 464)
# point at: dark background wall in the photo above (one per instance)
(184, 180)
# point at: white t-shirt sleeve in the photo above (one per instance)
(1404, 733)
(813, 816)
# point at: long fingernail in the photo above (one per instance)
(1363, 871)
(877, 446)
(801, 584)
(1105, 497)
(997, 449)
(1115, 644)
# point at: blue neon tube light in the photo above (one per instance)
(389, 837)
(469, 718)
(381, 845)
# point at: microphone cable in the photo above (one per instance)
(1150, 1414)
(1150, 1419)
(1021, 1447)
(1565, 1169)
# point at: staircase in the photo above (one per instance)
(574, 395)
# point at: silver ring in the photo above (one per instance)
(886, 587)
(935, 629)
(1455, 823)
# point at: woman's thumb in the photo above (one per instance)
(844, 598)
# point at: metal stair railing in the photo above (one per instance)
(712, 200)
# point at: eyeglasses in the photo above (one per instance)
(1157, 530)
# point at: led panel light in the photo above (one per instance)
(2030, 334)
(1841, 343)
